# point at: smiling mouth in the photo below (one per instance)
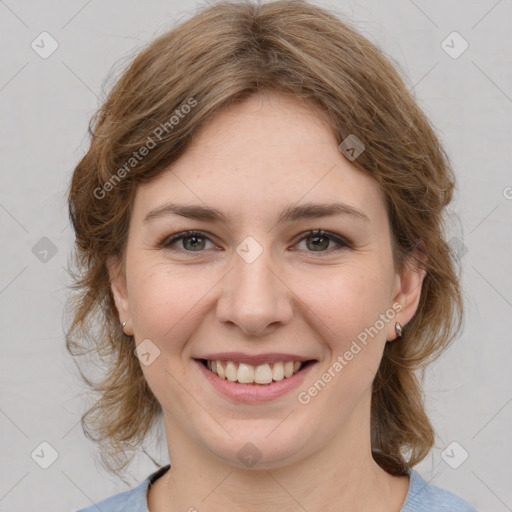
(262, 374)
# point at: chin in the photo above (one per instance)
(264, 449)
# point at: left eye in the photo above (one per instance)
(321, 240)
(195, 240)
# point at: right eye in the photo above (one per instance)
(197, 241)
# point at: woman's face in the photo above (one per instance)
(258, 292)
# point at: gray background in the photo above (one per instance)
(45, 106)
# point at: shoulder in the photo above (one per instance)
(425, 497)
(134, 500)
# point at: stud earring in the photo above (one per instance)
(399, 329)
(123, 324)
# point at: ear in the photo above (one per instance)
(119, 291)
(407, 289)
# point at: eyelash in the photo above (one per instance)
(167, 242)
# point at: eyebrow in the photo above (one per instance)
(288, 214)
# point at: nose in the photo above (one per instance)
(255, 296)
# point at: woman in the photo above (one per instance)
(261, 265)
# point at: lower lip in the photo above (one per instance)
(248, 393)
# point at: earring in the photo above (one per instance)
(123, 324)
(399, 329)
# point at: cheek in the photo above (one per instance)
(166, 309)
(349, 310)
(351, 300)
(166, 304)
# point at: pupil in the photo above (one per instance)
(195, 238)
(317, 237)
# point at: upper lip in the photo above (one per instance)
(256, 359)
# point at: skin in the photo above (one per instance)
(250, 161)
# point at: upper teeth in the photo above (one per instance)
(247, 374)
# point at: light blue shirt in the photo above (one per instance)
(422, 497)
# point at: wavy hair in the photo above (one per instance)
(222, 54)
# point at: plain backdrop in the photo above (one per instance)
(45, 107)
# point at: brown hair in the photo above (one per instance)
(223, 54)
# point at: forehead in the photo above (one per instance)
(256, 157)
